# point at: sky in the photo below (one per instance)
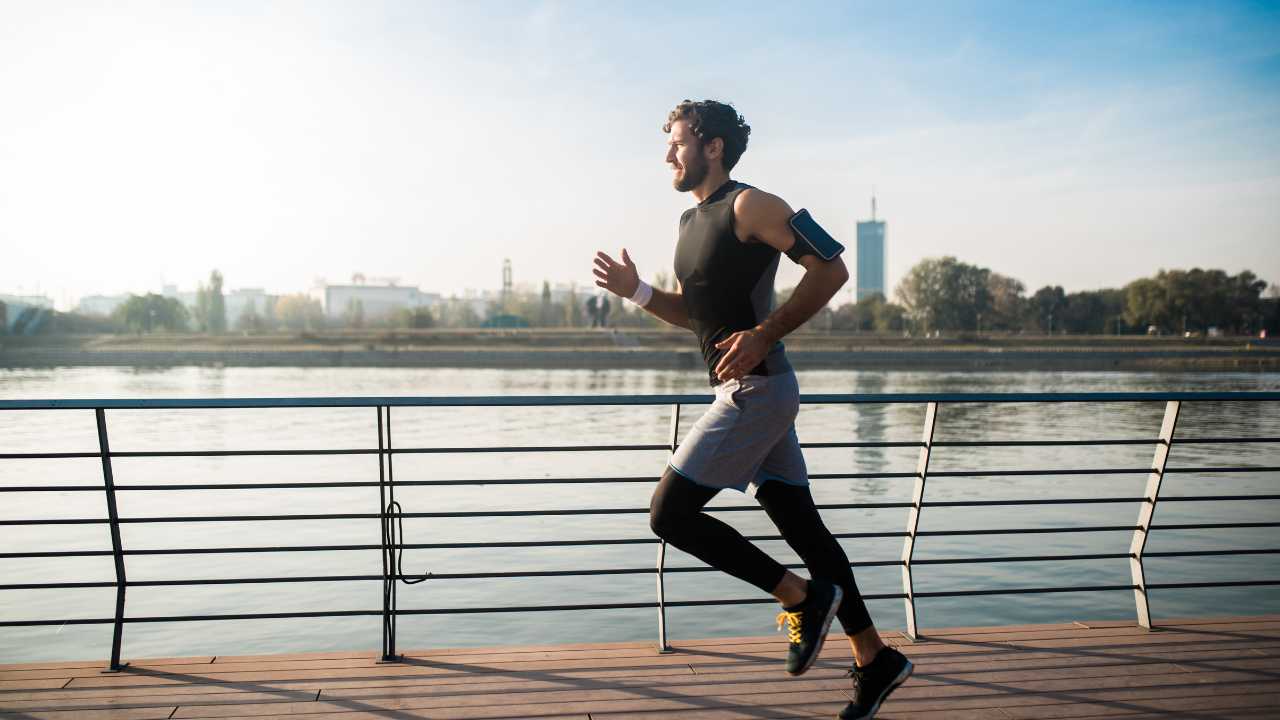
(1081, 144)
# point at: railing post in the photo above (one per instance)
(117, 548)
(388, 556)
(663, 647)
(913, 517)
(1148, 510)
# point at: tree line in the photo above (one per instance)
(947, 295)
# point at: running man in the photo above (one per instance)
(725, 262)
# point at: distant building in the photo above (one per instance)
(378, 301)
(101, 305)
(40, 301)
(24, 314)
(871, 256)
(237, 301)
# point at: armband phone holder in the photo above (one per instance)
(809, 232)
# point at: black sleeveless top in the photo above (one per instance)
(727, 284)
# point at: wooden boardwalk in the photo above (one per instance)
(1202, 668)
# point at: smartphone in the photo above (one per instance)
(807, 229)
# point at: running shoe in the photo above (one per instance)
(873, 683)
(807, 624)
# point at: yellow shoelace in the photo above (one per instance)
(793, 624)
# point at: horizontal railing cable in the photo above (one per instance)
(160, 487)
(631, 570)
(1223, 469)
(622, 541)
(1214, 526)
(627, 511)
(624, 400)
(581, 448)
(302, 452)
(406, 483)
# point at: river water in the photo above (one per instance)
(71, 431)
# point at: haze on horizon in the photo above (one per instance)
(1082, 144)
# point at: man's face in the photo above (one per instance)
(685, 157)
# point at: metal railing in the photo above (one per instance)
(390, 515)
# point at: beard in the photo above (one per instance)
(694, 174)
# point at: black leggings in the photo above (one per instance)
(676, 515)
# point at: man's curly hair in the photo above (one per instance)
(710, 119)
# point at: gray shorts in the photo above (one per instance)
(746, 437)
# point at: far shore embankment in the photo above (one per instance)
(633, 348)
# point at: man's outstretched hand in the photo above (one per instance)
(619, 278)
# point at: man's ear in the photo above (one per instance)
(713, 149)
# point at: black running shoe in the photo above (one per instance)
(807, 624)
(873, 683)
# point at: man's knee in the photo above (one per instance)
(658, 522)
(665, 512)
(662, 517)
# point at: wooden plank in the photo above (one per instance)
(383, 671)
(970, 629)
(1225, 706)
(1112, 653)
(907, 698)
(1161, 639)
(410, 714)
(1126, 631)
(802, 710)
(1212, 713)
(802, 704)
(779, 684)
(1273, 617)
(141, 701)
(158, 713)
(928, 686)
(1015, 673)
(775, 648)
(324, 655)
(1120, 634)
(583, 699)
(1155, 638)
(8, 685)
(362, 674)
(816, 710)
(174, 689)
(1185, 621)
(100, 664)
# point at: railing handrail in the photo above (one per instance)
(572, 400)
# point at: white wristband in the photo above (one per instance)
(643, 294)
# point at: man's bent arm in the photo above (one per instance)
(822, 280)
(763, 217)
